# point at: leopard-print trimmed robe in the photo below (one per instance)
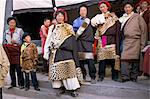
(61, 47)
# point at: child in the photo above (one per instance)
(29, 60)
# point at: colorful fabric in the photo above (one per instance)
(43, 38)
(77, 23)
(13, 53)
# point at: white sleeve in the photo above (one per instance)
(98, 19)
(47, 44)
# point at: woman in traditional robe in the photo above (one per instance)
(107, 40)
(60, 49)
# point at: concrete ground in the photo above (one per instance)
(107, 89)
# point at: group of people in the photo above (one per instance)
(67, 48)
(22, 55)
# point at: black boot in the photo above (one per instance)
(101, 78)
(11, 87)
(27, 88)
(73, 93)
(21, 87)
(61, 91)
(134, 79)
(115, 75)
(37, 88)
(123, 80)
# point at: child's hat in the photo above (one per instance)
(25, 34)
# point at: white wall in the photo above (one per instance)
(2, 18)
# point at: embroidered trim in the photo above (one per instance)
(110, 21)
(85, 55)
(83, 27)
(109, 52)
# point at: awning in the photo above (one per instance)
(32, 4)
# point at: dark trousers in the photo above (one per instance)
(13, 69)
(1, 93)
(102, 67)
(91, 67)
(45, 64)
(129, 70)
(33, 78)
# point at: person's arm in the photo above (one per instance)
(98, 19)
(43, 29)
(4, 64)
(21, 35)
(4, 38)
(47, 44)
(118, 37)
(75, 53)
(75, 25)
(35, 55)
(83, 27)
(143, 28)
(19, 39)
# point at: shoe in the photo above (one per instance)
(74, 94)
(37, 88)
(115, 79)
(21, 87)
(93, 81)
(123, 80)
(27, 88)
(11, 87)
(101, 79)
(133, 79)
(61, 91)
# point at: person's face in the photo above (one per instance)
(138, 9)
(47, 23)
(83, 11)
(60, 18)
(144, 5)
(54, 21)
(128, 8)
(27, 39)
(103, 8)
(12, 24)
